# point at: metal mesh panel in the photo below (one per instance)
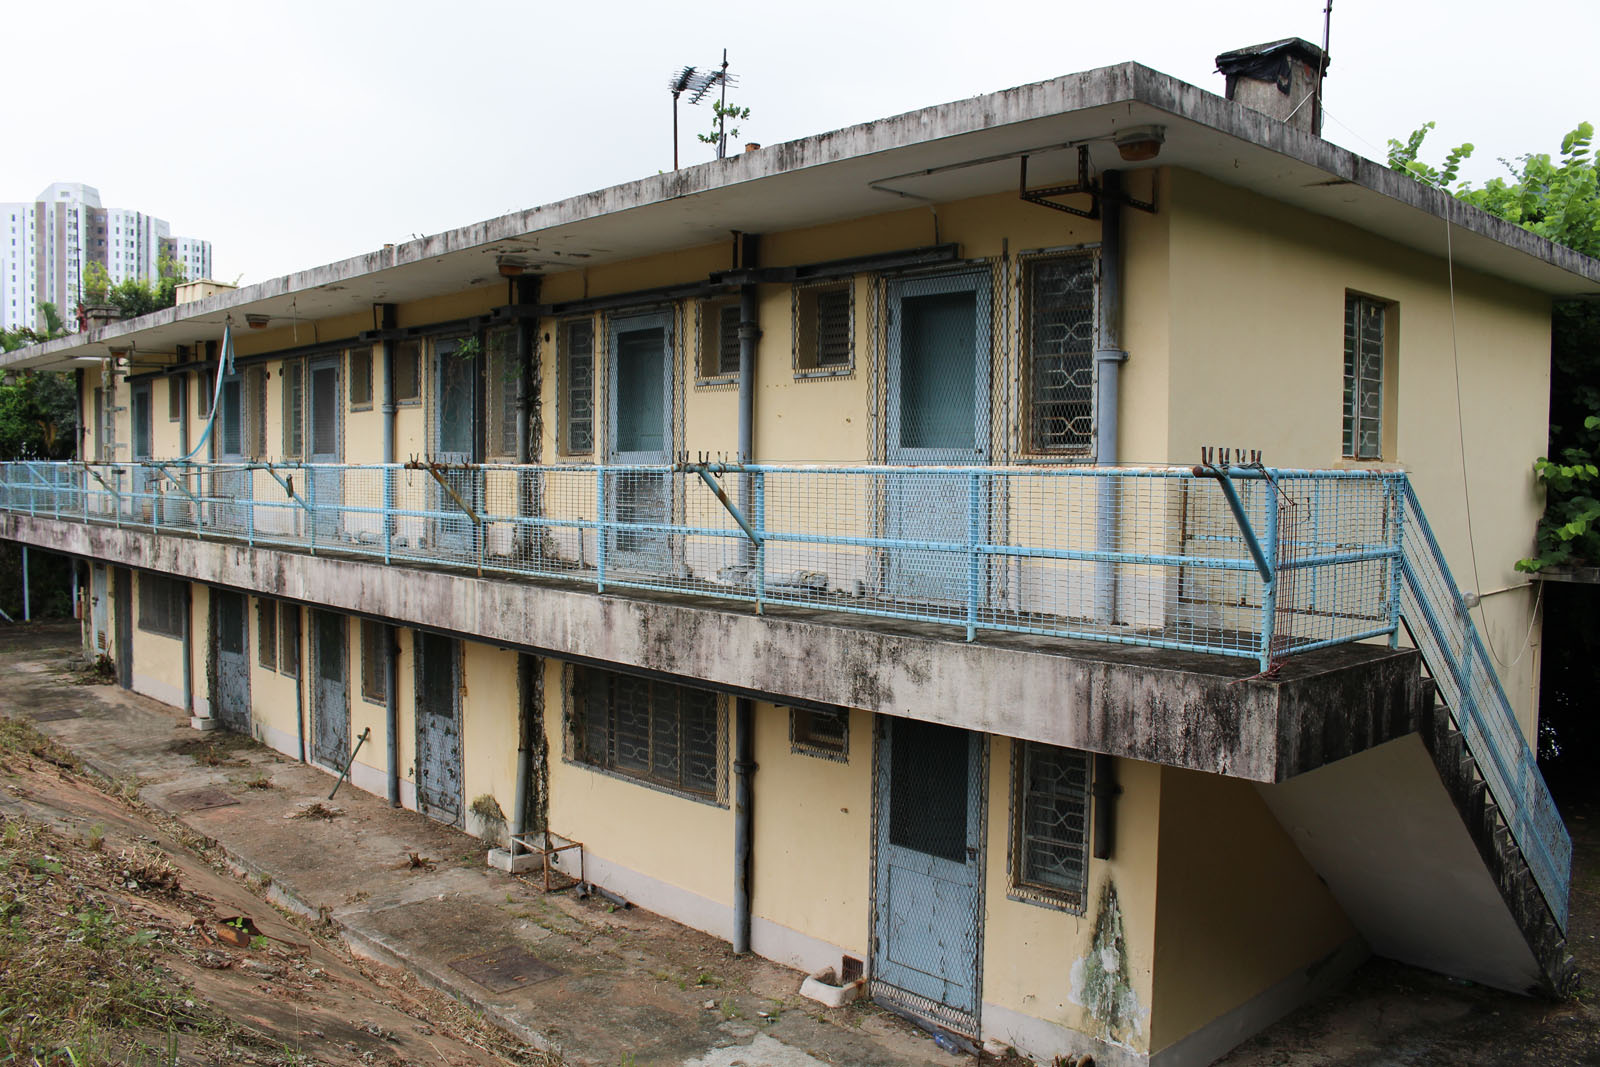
(1059, 293)
(503, 373)
(1050, 823)
(667, 735)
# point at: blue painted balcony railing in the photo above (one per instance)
(1246, 562)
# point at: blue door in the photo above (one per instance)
(438, 715)
(938, 416)
(231, 622)
(231, 481)
(641, 433)
(330, 690)
(324, 489)
(928, 885)
(143, 484)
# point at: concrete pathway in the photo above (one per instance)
(596, 983)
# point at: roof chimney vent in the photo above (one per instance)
(1280, 78)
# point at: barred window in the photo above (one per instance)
(255, 413)
(503, 371)
(294, 408)
(1050, 824)
(658, 733)
(821, 733)
(1364, 322)
(374, 661)
(718, 338)
(577, 387)
(175, 398)
(267, 633)
(408, 372)
(1059, 297)
(824, 328)
(361, 378)
(289, 640)
(163, 605)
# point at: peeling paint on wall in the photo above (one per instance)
(1101, 983)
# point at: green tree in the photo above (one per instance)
(721, 115)
(1557, 197)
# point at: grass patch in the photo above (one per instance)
(20, 737)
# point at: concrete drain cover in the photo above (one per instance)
(504, 969)
(53, 714)
(199, 799)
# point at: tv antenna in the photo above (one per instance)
(698, 83)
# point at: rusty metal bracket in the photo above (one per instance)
(96, 476)
(706, 471)
(1084, 186)
(288, 487)
(173, 478)
(434, 469)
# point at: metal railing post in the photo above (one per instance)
(1397, 535)
(600, 529)
(1269, 592)
(388, 511)
(761, 539)
(974, 534)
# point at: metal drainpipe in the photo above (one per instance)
(744, 769)
(1108, 360)
(391, 688)
(180, 382)
(300, 679)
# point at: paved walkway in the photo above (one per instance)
(599, 984)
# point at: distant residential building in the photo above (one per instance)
(50, 241)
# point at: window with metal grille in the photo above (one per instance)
(294, 408)
(267, 633)
(502, 373)
(204, 396)
(824, 733)
(1050, 824)
(718, 338)
(824, 328)
(577, 387)
(254, 405)
(1364, 323)
(374, 661)
(361, 378)
(231, 435)
(666, 735)
(289, 640)
(408, 372)
(174, 398)
(163, 605)
(1058, 293)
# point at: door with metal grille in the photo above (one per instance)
(122, 637)
(143, 508)
(98, 600)
(928, 882)
(231, 622)
(439, 727)
(227, 484)
(641, 433)
(938, 416)
(324, 414)
(330, 689)
(455, 375)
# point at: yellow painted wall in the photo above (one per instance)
(812, 834)
(200, 615)
(1238, 908)
(273, 700)
(1034, 957)
(1257, 312)
(685, 843)
(155, 656)
(488, 729)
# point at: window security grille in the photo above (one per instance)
(289, 640)
(408, 372)
(717, 334)
(294, 408)
(255, 412)
(1363, 377)
(374, 661)
(175, 398)
(577, 387)
(162, 604)
(502, 374)
(824, 328)
(267, 633)
(1050, 824)
(1059, 299)
(658, 733)
(361, 378)
(825, 734)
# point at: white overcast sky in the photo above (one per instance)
(299, 132)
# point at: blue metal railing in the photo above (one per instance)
(1441, 625)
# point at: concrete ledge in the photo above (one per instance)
(1201, 712)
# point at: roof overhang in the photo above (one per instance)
(948, 152)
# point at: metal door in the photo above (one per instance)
(928, 883)
(641, 433)
(231, 622)
(330, 690)
(938, 415)
(455, 375)
(99, 637)
(142, 483)
(122, 638)
(230, 485)
(438, 727)
(324, 485)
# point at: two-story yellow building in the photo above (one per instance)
(834, 540)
